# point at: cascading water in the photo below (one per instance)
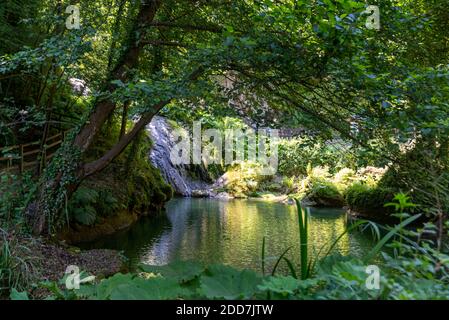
(178, 176)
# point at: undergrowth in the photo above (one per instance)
(416, 271)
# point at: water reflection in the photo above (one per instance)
(230, 232)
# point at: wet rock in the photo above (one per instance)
(186, 180)
(201, 193)
(323, 202)
(79, 86)
(223, 196)
(77, 233)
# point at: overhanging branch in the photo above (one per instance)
(188, 27)
(114, 152)
(164, 43)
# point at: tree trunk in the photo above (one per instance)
(124, 118)
(100, 164)
(129, 60)
(67, 170)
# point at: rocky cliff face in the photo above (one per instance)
(186, 180)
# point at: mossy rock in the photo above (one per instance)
(130, 183)
(273, 187)
(369, 201)
(324, 194)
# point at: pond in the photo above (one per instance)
(230, 232)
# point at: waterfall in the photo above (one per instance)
(180, 177)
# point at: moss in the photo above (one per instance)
(368, 200)
(147, 190)
(103, 227)
(130, 183)
(324, 193)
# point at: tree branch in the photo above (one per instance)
(164, 43)
(128, 61)
(117, 149)
(188, 27)
(114, 152)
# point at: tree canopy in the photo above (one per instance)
(314, 63)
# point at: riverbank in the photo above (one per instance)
(77, 233)
(36, 260)
(358, 191)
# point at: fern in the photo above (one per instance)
(85, 215)
(82, 206)
(107, 204)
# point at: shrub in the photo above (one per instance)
(368, 199)
(425, 177)
(82, 206)
(295, 155)
(107, 203)
(243, 178)
(344, 178)
(319, 188)
(15, 193)
(289, 184)
(324, 193)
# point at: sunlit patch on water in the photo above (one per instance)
(231, 232)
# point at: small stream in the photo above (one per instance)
(229, 232)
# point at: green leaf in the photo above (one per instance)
(129, 287)
(223, 282)
(16, 295)
(182, 271)
(105, 288)
(149, 289)
(85, 215)
(389, 235)
(128, 291)
(279, 284)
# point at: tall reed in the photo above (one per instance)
(308, 263)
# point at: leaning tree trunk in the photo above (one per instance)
(67, 170)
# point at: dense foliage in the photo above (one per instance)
(410, 274)
(371, 106)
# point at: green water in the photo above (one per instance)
(229, 232)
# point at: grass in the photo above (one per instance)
(308, 263)
(16, 264)
(303, 222)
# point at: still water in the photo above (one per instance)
(230, 232)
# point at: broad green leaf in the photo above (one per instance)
(182, 271)
(105, 288)
(16, 295)
(223, 282)
(129, 287)
(282, 285)
(149, 289)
